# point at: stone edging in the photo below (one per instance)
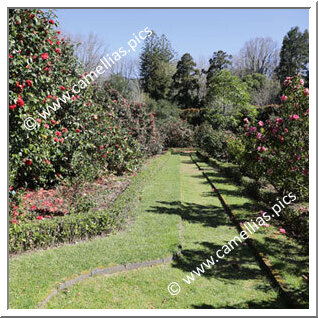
(277, 281)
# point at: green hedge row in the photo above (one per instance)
(250, 187)
(49, 232)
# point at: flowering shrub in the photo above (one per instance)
(177, 133)
(278, 149)
(93, 131)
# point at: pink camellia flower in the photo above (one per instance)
(281, 139)
(33, 207)
(252, 129)
(266, 225)
(294, 117)
(301, 81)
(285, 130)
(258, 135)
(260, 123)
(306, 91)
(46, 126)
(245, 120)
(279, 120)
(283, 98)
(282, 231)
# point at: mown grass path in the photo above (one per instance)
(178, 192)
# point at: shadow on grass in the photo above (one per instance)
(237, 266)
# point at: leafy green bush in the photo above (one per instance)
(212, 141)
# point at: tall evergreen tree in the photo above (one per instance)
(294, 55)
(219, 60)
(155, 66)
(186, 82)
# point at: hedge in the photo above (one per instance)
(250, 187)
(67, 229)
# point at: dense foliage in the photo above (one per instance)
(91, 132)
(278, 149)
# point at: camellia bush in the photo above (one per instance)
(278, 149)
(92, 132)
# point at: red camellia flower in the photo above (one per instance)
(117, 146)
(53, 121)
(57, 50)
(27, 162)
(101, 147)
(62, 88)
(46, 126)
(58, 42)
(51, 21)
(39, 120)
(45, 56)
(13, 106)
(61, 140)
(65, 130)
(58, 134)
(33, 207)
(39, 217)
(31, 16)
(20, 102)
(58, 32)
(78, 130)
(55, 139)
(28, 82)
(283, 98)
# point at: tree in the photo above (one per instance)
(89, 50)
(219, 60)
(155, 66)
(185, 82)
(263, 90)
(259, 55)
(294, 55)
(230, 101)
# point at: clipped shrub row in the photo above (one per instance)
(251, 187)
(49, 232)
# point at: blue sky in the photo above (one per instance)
(199, 32)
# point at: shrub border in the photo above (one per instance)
(67, 229)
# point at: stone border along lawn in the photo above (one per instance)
(283, 256)
(239, 282)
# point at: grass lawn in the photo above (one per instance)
(235, 282)
(33, 275)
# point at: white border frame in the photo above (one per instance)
(157, 312)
